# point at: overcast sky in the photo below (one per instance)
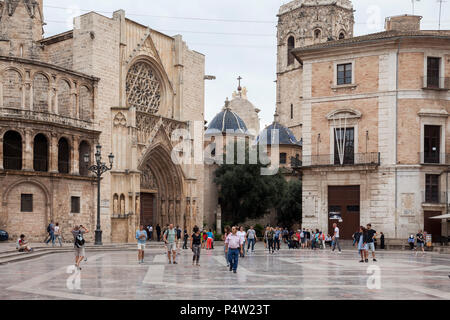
(244, 46)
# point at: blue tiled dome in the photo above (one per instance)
(226, 120)
(285, 135)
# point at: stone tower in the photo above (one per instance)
(302, 23)
(21, 28)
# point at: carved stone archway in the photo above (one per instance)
(161, 188)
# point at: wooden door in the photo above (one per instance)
(344, 201)
(433, 226)
(147, 209)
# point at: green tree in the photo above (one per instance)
(290, 209)
(245, 193)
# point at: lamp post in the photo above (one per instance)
(98, 169)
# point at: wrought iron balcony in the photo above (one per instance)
(372, 158)
(436, 83)
(429, 197)
(434, 158)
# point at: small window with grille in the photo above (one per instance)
(75, 205)
(26, 203)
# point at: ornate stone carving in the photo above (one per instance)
(120, 120)
(148, 180)
(31, 7)
(11, 6)
(143, 88)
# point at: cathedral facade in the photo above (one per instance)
(109, 81)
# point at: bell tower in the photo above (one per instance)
(306, 22)
(302, 23)
(21, 27)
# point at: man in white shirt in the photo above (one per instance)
(336, 238)
(233, 245)
(242, 235)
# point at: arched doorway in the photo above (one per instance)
(161, 190)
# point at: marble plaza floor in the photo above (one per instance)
(288, 274)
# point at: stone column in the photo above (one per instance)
(1, 150)
(54, 153)
(75, 155)
(27, 152)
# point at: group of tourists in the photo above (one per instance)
(419, 239)
(54, 232)
(365, 238)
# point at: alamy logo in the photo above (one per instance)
(73, 282)
(233, 147)
(374, 280)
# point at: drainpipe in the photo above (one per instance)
(396, 132)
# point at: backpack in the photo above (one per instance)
(49, 228)
(79, 240)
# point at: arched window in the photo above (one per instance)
(341, 35)
(116, 209)
(143, 88)
(64, 100)
(86, 104)
(84, 148)
(290, 46)
(40, 93)
(63, 156)
(12, 89)
(40, 153)
(317, 34)
(12, 151)
(122, 204)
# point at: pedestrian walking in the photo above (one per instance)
(185, 239)
(141, 236)
(371, 233)
(233, 245)
(224, 238)
(78, 233)
(51, 233)
(170, 239)
(270, 240)
(277, 238)
(251, 238)
(209, 240)
(420, 239)
(196, 246)
(382, 241)
(265, 237)
(58, 233)
(150, 232)
(336, 238)
(242, 234)
(361, 239)
(158, 232)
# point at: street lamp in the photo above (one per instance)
(98, 169)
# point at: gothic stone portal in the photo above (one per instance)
(161, 190)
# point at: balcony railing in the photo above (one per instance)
(430, 197)
(434, 158)
(436, 83)
(330, 160)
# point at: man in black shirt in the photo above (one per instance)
(158, 232)
(420, 241)
(370, 243)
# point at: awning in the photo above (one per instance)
(444, 216)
